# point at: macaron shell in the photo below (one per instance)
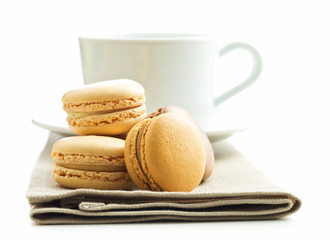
(72, 178)
(103, 118)
(174, 153)
(112, 129)
(104, 91)
(90, 145)
(209, 154)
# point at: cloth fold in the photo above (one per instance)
(235, 191)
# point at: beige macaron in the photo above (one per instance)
(165, 153)
(105, 108)
(209, 154)
(95, 162)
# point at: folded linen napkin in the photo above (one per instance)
(235, 191)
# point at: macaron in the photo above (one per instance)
(95, 162)
(209, 154)
(109, 108)
(165, 153)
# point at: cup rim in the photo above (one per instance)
(152, 37)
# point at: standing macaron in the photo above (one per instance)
(165, 153)
(209, 155)
(95, 162)
(105, 108)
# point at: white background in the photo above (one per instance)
(289, 105)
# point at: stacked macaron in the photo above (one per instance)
(105, 108)
(166, 151)
(91, 162)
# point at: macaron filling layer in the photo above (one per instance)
(141, 157)
(119, 104)
(85, 114)
(139, 165)
(104, 176)
(88, 162)
(97, 118)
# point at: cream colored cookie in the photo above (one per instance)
(209, 155)
(90, 162)
(105, 108)
(165, 153)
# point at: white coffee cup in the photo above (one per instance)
(175, 69)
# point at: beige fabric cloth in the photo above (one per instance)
(236, 191)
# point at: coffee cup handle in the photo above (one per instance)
(255, 72)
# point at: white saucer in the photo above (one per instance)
(57, 123)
